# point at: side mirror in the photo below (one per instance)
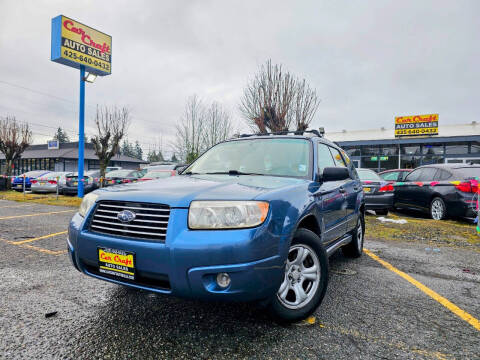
(335, 174)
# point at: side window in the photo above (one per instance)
(324, 157)
(337, 157)
(442, 175)
(390, 176)
(428, 174)
(414, 175)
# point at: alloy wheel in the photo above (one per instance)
(437, 209)
(302, 277)
(360, 236)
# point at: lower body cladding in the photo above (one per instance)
(231, 265)
(381, 201)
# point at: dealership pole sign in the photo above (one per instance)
(81, 47)
(416, 125)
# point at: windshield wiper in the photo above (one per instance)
(231, 172)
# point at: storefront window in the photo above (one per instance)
(457, 148)
(370, 150)
(389, 150)
(369, 162)
(410, 162)
(475, 147)
(410, 150)
(388, 162)
(432, 149)
(352, 151)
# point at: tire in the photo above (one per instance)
(382, 212)
(355, 248)
(283, 305)
(438, 209)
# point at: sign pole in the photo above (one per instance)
(81, 132)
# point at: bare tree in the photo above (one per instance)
(190, 131)
(274, 99)
(306, 105)
(112, 124)
(15, 137)
(218, 126)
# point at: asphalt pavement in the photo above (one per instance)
(48, 310)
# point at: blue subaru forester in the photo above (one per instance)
(253, 219)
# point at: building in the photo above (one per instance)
(63, 158)
(378, 149)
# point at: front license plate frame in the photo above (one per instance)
(117, 263)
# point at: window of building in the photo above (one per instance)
(433, 149)
(410, 150)
(457, 148)
(475, 147)
(389, 150)
(410, 162)
(370, 150)
(352, 151)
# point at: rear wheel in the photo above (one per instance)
(381, 212)
(305, 280)
(438, 209)
(355, 248)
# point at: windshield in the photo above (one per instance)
(368, 175)
(275, 157)
(469, 173)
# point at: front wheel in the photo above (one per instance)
(438, 209)
(305, 279)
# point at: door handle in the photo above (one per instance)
(341, 189)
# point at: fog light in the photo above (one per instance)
(223, 280)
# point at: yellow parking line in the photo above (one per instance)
(37, 214)
(435, 296)
(37, 238)
(46, 251)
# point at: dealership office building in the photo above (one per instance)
(63, 158)
(378, 149)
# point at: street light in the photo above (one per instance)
(90, 77)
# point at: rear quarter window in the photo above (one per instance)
(390, 176)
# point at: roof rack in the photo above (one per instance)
(320, 132)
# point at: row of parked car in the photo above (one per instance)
(440, 190)
(42, 181)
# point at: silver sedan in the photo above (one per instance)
(47, 183)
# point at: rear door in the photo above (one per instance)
(330, 200)
(404, 191)
(423, 192)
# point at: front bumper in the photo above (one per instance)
(187, 263)
(379, 201)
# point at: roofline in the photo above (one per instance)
(429, 140)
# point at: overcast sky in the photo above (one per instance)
(368, 60)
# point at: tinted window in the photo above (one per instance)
(414, 175)
(337, 157)
(442, 175)
(390, 176)
(369, 175)
(119, 173)
(468, 173)
(324, 157)
(428, 174)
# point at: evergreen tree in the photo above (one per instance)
(174, 158)
(61, 136)
(138, 152)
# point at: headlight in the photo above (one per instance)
(226, 214)
(87, 203)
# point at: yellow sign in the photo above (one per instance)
(416, 125)
(76, 44)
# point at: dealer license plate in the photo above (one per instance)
(42, 182)
(75, 183)
(117, 263)
(19, 186)
(366, 189)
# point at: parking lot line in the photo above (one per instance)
(37, 214)
(46, 251)
(38, 238)
(437, 297)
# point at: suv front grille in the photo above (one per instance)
(151, 220)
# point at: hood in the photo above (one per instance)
(179, 191)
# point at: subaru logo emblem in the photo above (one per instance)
(126, 216)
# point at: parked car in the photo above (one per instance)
(95, 177)
(252, 219)
(17, 182)
(394, 175)
(69, 184)
(122, 177)
(440, 190)
(157, 174)
(378, 192)
(47, 183)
